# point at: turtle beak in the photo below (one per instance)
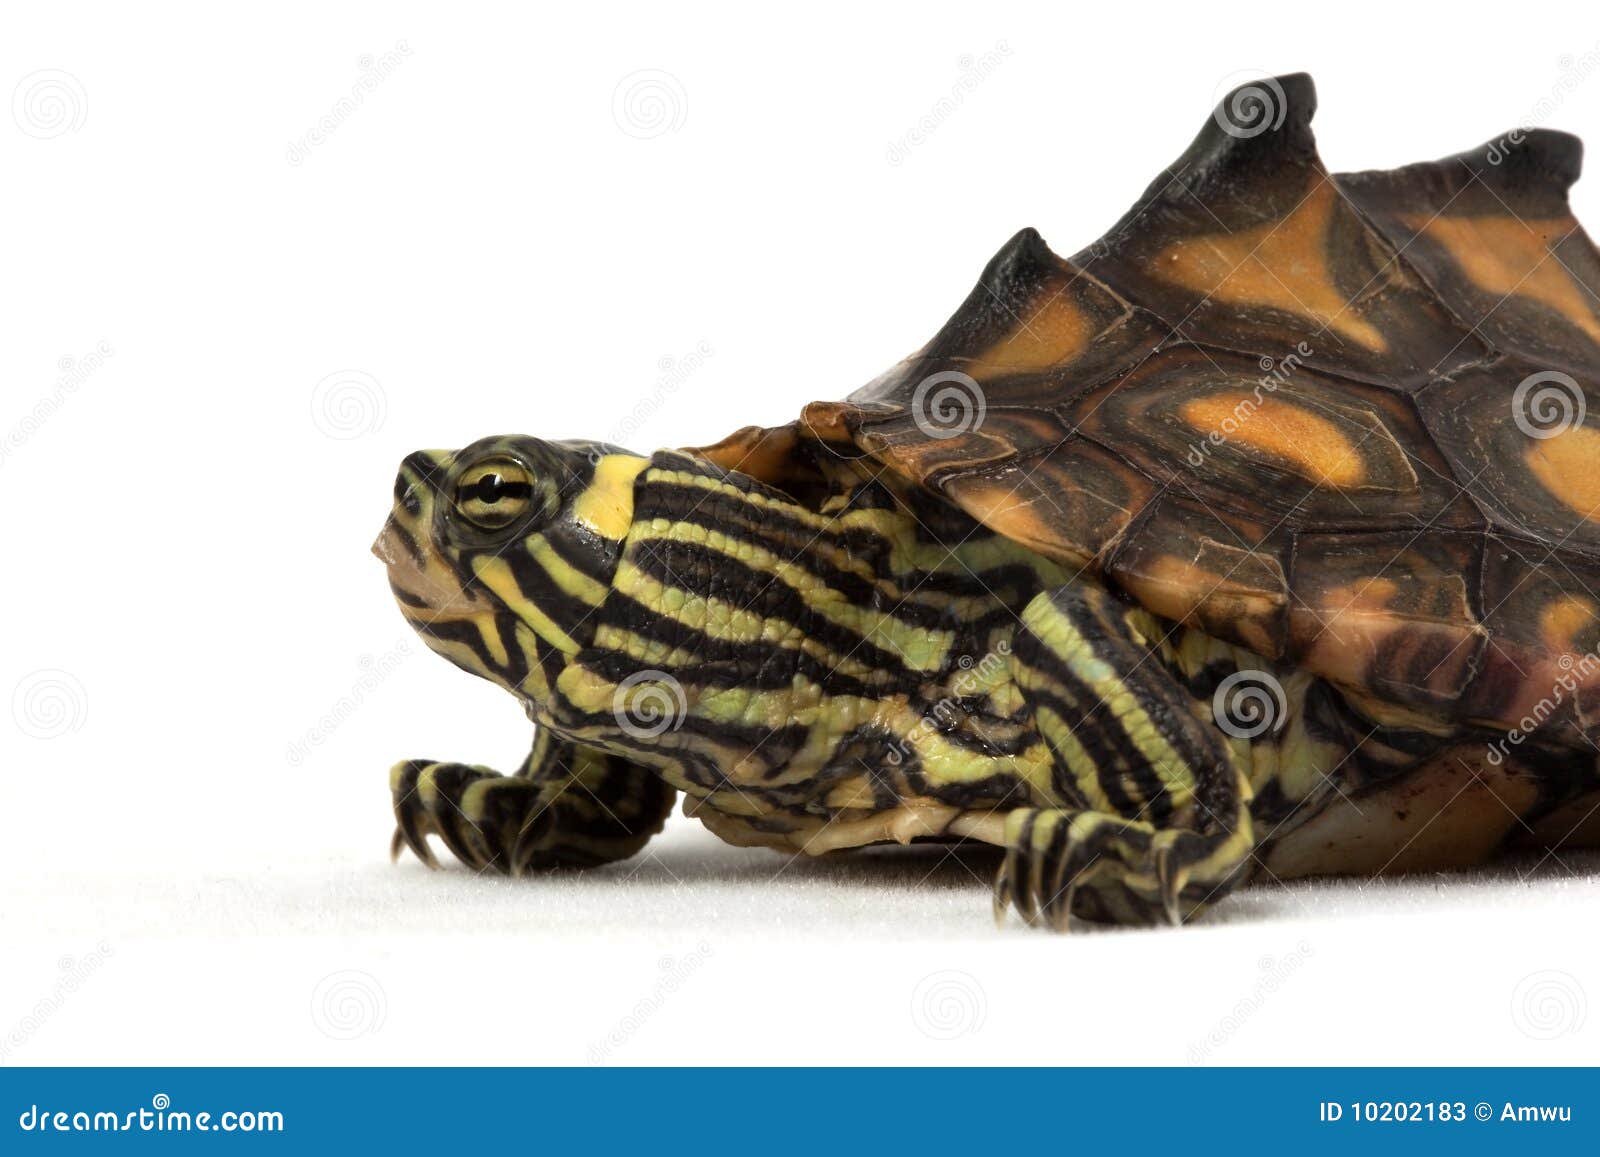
(410, 577)
(384, 547)
(419, 577)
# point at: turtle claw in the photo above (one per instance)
(490, 822)
(400, 841)
(428, 800)
(1168, 885)
(1003, 891)
(412, 823)
(1059, 862)
(1062, 920)
(569, 807)
(1043, 868)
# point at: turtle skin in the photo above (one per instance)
(1333, 437)
(1348, 422)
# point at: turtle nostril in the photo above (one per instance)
(405, 496)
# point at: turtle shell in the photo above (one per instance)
(1349, 422)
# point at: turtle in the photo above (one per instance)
(1257, 540)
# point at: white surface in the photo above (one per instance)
(699, 953)
(483, 240)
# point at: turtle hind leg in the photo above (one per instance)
(1154, 821)
(568, 806)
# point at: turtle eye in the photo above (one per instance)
(494, 493)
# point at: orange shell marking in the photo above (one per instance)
(1502, 256)
(1258, 266)
(1315, 446)
(1058, 332)
(1564, 621)
(1566, 466)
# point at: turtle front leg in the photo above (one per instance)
(568, 806)
(1155, 821)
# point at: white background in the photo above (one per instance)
(495, 240)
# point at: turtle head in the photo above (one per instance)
(499, 553)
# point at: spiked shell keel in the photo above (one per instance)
(1318, 444)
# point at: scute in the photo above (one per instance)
(1072, 502)
(1247, 242)
(1350, 422)
(1309, 448)
(1223, 572)
(1544, 487)
(1543, 617)
(995, 442)
(1394, 612)
(1491, 231)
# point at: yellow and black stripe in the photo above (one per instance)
(811, 649)
(877, 653)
